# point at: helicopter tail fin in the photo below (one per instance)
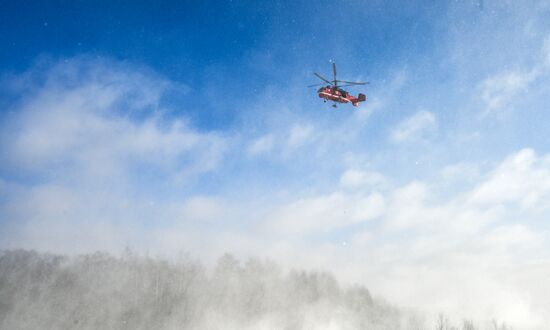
(361, 97)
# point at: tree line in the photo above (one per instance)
(103, 291)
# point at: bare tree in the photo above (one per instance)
(468, 325)
(101, 291)
(497, 326)
(442, 322)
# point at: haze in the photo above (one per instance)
(186, 128)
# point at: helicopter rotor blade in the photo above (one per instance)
(334, 72)
(316, 85)
(323, 79)
(353, 82)
(346, 85)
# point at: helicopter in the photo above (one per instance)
(334, 92)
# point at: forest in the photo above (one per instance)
(103, 291)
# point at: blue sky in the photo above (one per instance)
(170, 127)
(220, 45)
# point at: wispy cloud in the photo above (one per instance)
(499, 89)
(90, 150)
(282, 141)
(326, 212)
(523, 178)
(90, 120)
(92, 159)
(354, 178)
(415, 128)
(410, 234)
(261, 145)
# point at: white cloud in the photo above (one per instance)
(261, 145)
(461, 172)
(470, 240)
(281, 141)
(360, 179)
(500, 89)
(523, 178)
(102, 154)
(91, 129)
(299, 135)
(470, 254)
(417, 127)
(475, 251)
(325, 212)
(201, 209)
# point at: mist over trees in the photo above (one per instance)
(102, 291)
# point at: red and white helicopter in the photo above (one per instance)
(334, 92)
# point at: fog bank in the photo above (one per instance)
(102, 291)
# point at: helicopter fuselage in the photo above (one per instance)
(339, 95)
